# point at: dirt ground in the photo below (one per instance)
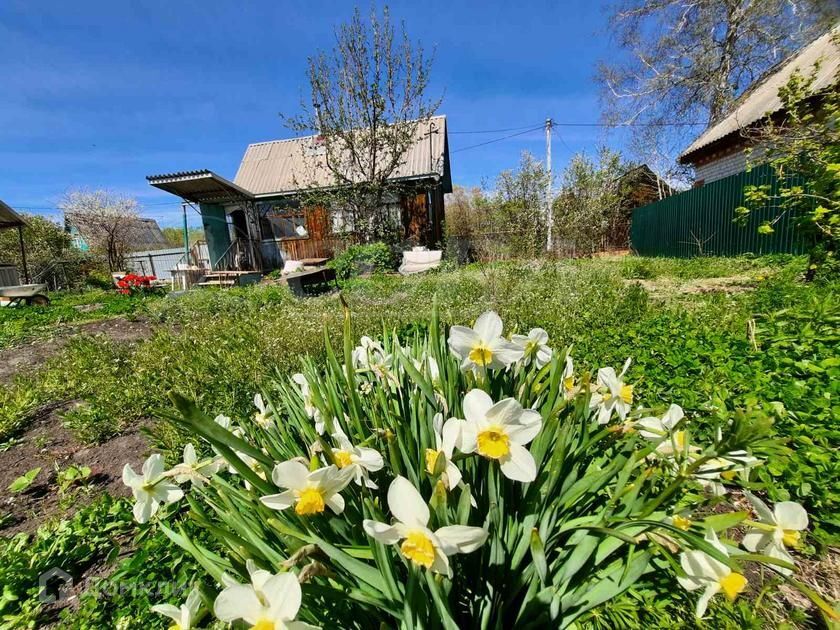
(664, 287)
(49, 445)
(36, 353)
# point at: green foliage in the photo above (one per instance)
(73, 545)
(357, 259)
(18, 325)
(156, 572)
(578, 535)
(803, 150)
(24, 481)
(45, 241)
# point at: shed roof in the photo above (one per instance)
(762, 98)
(284, 166)
(8, 217)
(199, 186)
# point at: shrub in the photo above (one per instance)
(358, 259)
(549, 498)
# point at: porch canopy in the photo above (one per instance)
(200, 187)
(11, 219)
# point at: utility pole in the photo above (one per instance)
(548, 209)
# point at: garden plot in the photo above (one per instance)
(703, 357)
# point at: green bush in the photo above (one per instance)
(358, 259)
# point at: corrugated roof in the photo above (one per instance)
(283, 166)
(762, 98)
(9, 218)
(199, 186)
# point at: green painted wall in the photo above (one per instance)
(216, 231)
(700, 222)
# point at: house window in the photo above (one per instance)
(284, 223)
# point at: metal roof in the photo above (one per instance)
(762, 98)
(9, 218)
(141, 233)
(284, 166)
(199, 186)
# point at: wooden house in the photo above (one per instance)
(262, 218)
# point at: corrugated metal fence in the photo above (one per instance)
(155, 262)
(700, 222)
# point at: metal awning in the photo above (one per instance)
(9, 218)
(200, 187)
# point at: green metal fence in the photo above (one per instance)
(700, 222)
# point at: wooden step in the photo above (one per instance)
(217, 283)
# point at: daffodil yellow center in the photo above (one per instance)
(419, 549)
(481, 355)
(310, 501)
(175, 626)
(494, 443)
(729, 475)
(679, 439)
(342, 458)
(791, 537)
(263, 624)
(682, 523)
(569, 383)
(627, 394)
(431, 460)
(732, 584)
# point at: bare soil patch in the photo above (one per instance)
(36, 353)
(49, 445)
(665, 286)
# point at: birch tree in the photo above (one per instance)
(686, 61)
(367, 98)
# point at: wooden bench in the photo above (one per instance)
(301, 280)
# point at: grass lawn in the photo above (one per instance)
(718, 336)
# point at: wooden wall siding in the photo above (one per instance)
(416, 218)
(300, 248)
(318, 223)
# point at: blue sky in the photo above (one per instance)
(102, 93)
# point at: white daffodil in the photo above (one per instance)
(263, 415)
(184, 616)
(483, 346)
(534, 347)
(150, 489)
(309, 492)
(447, 436)
(310, 408)
(269, 602)
(653, 428)
(419, 544)
(194, 470)
(500, 432)
(358, 459)
(703, 571)
(569, 388)
(371, 356)
(611, 394)
(776, 529)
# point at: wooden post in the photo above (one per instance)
(23, 255)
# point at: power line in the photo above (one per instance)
(513, 135)
(494, 130)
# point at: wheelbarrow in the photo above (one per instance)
(29, 294)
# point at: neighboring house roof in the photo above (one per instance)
(143, 233)
(9, 218)
(285, 166)
(762, 98)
